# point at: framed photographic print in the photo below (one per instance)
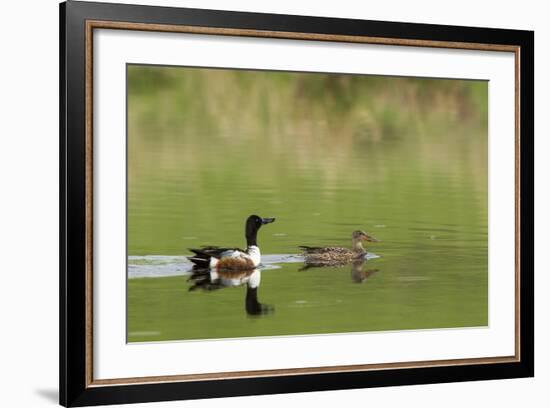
(256, 203)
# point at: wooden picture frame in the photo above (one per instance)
(78, 20)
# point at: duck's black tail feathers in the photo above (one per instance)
(199, 258)
(202, 256)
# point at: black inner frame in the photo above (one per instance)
(73, 391)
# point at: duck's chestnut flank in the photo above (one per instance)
(235, 263)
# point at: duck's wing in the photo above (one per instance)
(308, 250)
(203, 255)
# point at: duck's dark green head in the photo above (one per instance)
(253, 224)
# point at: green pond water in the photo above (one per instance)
(404, 159)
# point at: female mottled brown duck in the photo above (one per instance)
(338, 255)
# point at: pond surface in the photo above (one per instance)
(404, 159)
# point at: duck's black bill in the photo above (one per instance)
(267, 220)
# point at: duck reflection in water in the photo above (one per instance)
(358, 272)
(212, 279)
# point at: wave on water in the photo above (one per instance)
(157, 266)
(160, 266)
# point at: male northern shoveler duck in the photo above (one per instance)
(336, 255)
(233, 258)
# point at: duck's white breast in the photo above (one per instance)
(254, 254)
